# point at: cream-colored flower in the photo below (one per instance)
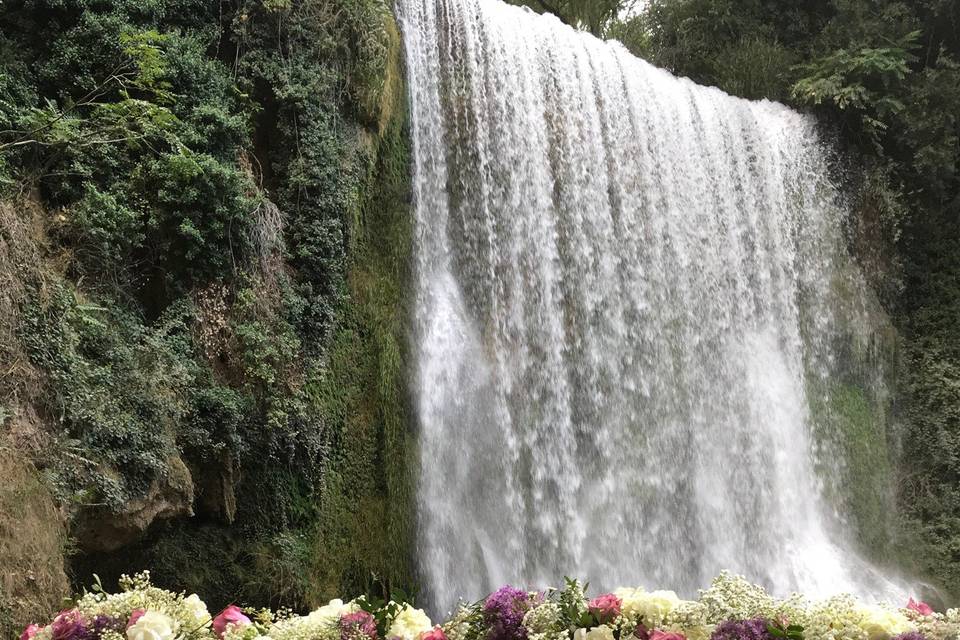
(630, 602)
(695, 632)
(153, 625)
(409, 623)
(650, 607)
(603, 632)
(331, 612)
(881, 623)
(198, 609)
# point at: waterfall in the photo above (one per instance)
(625, 283)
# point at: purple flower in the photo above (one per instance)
(361, 622)
(755, 629)
(103, 623)
(910, 635)
(503, 613)
(69, 625)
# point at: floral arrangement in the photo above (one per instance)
(731, 609)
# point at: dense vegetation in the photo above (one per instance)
(204, 239)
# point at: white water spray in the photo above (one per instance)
(624, 285)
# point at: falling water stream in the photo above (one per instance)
(625, 283)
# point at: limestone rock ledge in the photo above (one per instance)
(98, 529)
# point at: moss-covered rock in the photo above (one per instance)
(366, 506)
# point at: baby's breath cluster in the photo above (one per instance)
(732, 597)
(837, 618)
(545, 622)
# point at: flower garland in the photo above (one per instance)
(731, 609)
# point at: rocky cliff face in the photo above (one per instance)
(202, 319)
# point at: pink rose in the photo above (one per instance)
(231, 615)
(434, 634)
(605, 607)
(641, 633)
(358, 621)
(920, 607)
(135, 615)
(30, 631)
(666, 635)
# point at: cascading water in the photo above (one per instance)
(624, 285)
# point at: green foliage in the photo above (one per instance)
(385, 610)
(931, 476)
(198, 219)
(367, 515)
(115, 389)
(754, 67)
(595, 16)
(850, 422)
(223, 265)
(146, 128)
(743, 47)
(867, 81)
(572, 600)
(784, 631)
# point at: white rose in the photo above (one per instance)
(198, 609)
(331, 612)
(152, 625)
(880, 622)
(409, 623)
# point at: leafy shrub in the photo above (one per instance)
(115, 387)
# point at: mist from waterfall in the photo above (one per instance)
(625, 286)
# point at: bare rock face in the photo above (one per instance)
(100, 529)
(32, 540)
